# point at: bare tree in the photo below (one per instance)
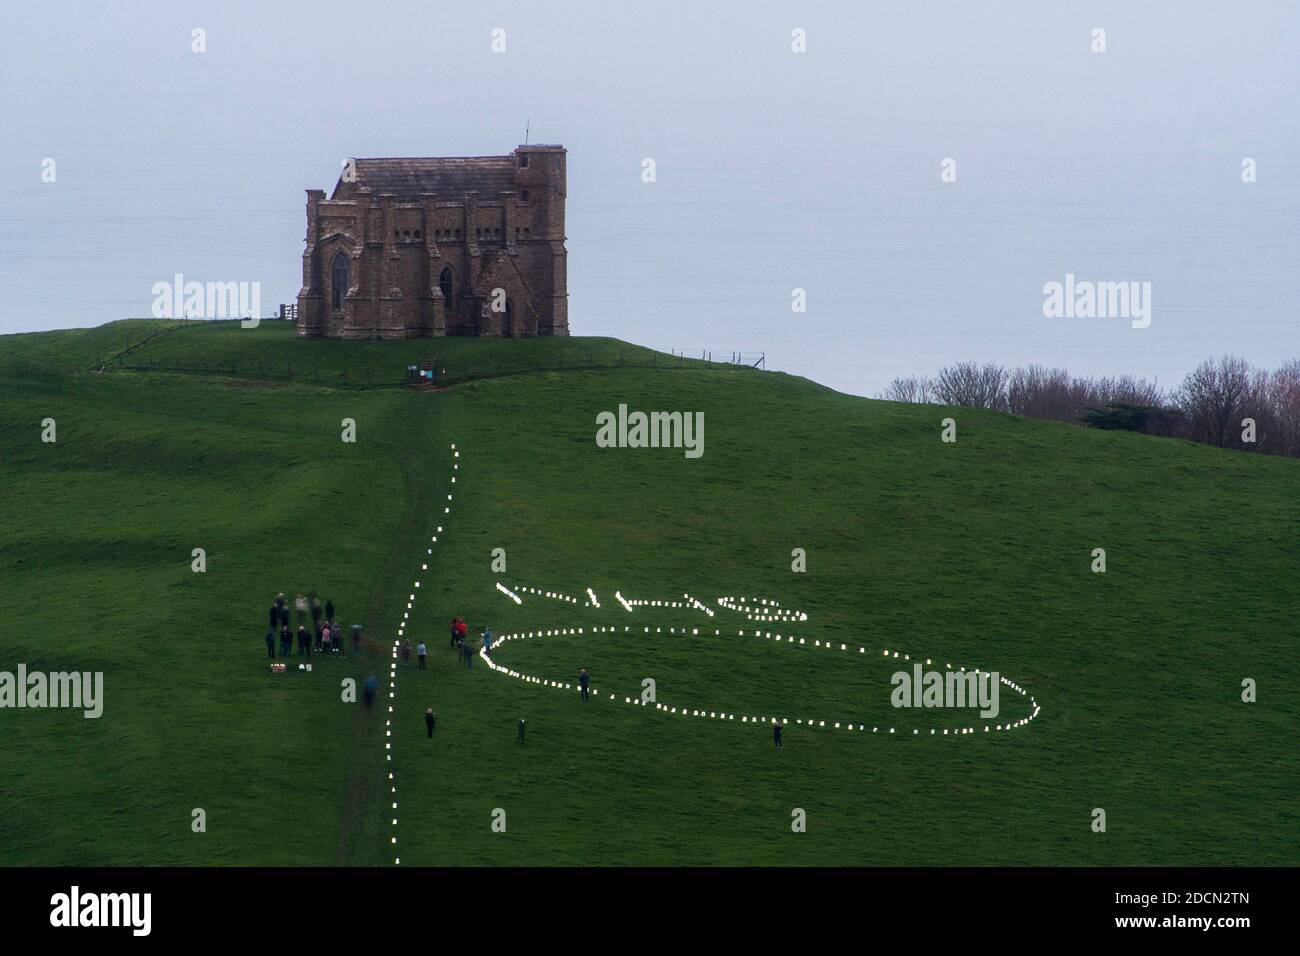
(1128, 390)
(1273, 401)
(1038, 392)
(971, 386)
(1284, 398)
(1213, 399)
(912, 388)
(1209, 406)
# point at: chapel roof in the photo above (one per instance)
(447, 177)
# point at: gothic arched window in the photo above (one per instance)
(444, 283)
(339, 280)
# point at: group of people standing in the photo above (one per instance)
(459, 641)
(325, 636)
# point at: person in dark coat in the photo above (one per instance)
(776, 734)
(270, 643)
(284, 615)
(304, 642)
(453, 633)
(583, 681)
(273, 617)
(429, 721)
(371, 688)
(329, 612)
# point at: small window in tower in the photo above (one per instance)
(478, 233)
(527, 232)
(523, 159)
(457, 233)
(524, 195)
(406, 234)
(417, 234)
(516, 232)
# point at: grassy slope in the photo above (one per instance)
(975, 552)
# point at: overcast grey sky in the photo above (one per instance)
(776, 170)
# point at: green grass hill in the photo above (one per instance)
(175, 436)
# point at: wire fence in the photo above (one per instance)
(752, 359)
(150, 354)
(399, 375)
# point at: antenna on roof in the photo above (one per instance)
(527, 126)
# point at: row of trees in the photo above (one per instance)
(1212, 404)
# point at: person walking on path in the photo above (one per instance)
(776, 734)
(420, 652)
(270, 643)
(487, 641)
(371, 688)
(429, 719)
(584, 679)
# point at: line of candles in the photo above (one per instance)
(764, 609)
(392, 669)
(744, 718)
